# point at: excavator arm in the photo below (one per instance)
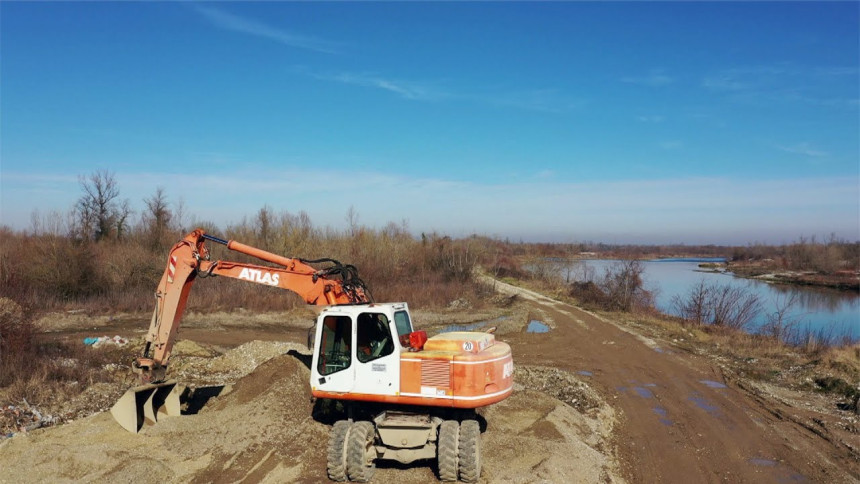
(189, 259)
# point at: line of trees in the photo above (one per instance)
(103, 251)
(826, 255)
(103, 255)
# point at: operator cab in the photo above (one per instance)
(360, 343)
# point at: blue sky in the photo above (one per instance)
(721, 122)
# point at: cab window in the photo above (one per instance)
(404, 325)
(334, 345)
(373, 338)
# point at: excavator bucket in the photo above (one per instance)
(146, 404)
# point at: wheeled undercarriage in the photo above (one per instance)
(451, 437)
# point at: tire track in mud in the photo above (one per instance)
(680, 419)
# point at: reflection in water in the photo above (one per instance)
(817, 309)
(816, 299)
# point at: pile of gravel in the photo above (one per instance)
(558, 384)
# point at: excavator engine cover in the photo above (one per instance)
(146, 404)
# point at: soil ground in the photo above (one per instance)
(682, 417)
(594, 401)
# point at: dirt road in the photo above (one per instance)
(681, 421)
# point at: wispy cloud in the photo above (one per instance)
(724, 82)
(836, 71)
(803, 149)
(405, 89)
(655, 78)
(228, 21)
(541, 100)
(746, 78)
(785, 83)
(651, 118)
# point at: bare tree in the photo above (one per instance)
(157, 217)
(122, 215)
(264, 226)
(623, 286)
(695, 307)
(781, 324)
(733, 307)
(352, 221)
(99, 211)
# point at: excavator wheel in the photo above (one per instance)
(469, 451)
(359, 457)
(448, 449)
(337, 450)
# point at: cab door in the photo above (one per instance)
(377, 355)
(334, 368)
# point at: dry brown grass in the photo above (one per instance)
(37, 374)
(66, 272)
(56, 270)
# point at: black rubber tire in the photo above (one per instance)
(361, 437)
(336, 459)
(447, 450)
(470, 451)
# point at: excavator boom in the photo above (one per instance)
(336, 284)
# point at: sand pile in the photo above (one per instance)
(260, 429)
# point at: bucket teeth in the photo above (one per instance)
(146, 404)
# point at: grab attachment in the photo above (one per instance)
(146, 404)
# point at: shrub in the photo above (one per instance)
(718, 305)
(619, 288)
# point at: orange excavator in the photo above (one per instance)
(407, 397)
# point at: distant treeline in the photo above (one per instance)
(103, 254)
(805, 254)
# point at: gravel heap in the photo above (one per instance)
(558, 384)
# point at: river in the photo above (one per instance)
(829, 311)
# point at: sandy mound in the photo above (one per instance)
(554, 428)
(230, 366)
(532, 437)
(261, 430)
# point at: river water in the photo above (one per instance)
(833, 312)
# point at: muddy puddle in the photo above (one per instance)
(780, 471)
(703, 403)
(663, 416)
(536, 326)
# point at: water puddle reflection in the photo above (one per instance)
(643, 392)
(705, 404)
(536, 326)
(712, 384)
(664, 416)
(780, 471)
